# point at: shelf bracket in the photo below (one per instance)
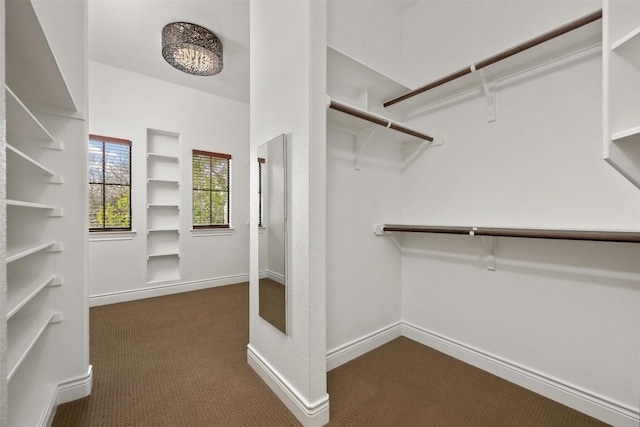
(489, 89)
(412, 154)
(489, 243)
(363, 137)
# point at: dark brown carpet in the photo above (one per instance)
(180, 360)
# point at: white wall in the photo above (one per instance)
(288, 89)
(124, 105)
(559, 317)
(368, 30)
(363, 273)
(564, 309)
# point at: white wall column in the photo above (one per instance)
(288, 93)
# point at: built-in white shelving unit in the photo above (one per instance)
(621, 85)
(163, 206)
(44, 88)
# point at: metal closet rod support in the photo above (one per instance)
(573, 25)
(592, 235)
(364, 115)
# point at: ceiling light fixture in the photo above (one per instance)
(192, 49)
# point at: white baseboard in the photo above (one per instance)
(276, 277)
(599, 407)
(365, 344)
(68, 391)
(314, 414)
(168, 289)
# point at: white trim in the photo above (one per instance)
(205, 232)
(310, 414)
(343, 354)
(599, 407)
(49, 411)
(276, 277)
(107, 236)
(67, 391)
(75, 388)
(168, 289)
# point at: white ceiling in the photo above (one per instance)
(126, 34)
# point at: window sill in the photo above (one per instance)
(205, 232)
(105, 236)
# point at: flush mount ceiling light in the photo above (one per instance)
(192, 49)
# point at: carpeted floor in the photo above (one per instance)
(180, 360)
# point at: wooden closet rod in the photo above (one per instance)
(347, 109)
(500, 56)
(599, 236)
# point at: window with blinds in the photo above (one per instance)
(211, 184)
(109, 183)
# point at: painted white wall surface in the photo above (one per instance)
(288, 90)
(124, 105)
(363, 273)
(563, 310)
(369, 31)
(566, 309)
(440, 37)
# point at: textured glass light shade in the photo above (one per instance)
(192, 49)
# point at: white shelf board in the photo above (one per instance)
(631, 37)
(163, 157)
(168, 278)
(22, 411)
(163, 205)
(163, 181)
(349, 79)
(629, 47)
(24, 331)
(32, 69)
(629, 135)
(163, 254)
(25, 292)
(24, 251)
(55, 178)
(349, 124)
(163, 230)
(21, 122)
(56, 211)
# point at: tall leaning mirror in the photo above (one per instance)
(272, 240)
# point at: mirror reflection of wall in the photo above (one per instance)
(273, 232)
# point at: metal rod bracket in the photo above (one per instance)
(489, 89)
(489, 243)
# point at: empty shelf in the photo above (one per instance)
(32, 69)
(24, 331)
(163, 181)
(55, 178)
(163, 230)
(630, 135)
(163, 254)
(163, 157)
(16, 254)
(21, 122)
(56, 211)
(26, 292)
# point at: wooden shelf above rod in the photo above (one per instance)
(365, 115)
(591, 235)
(573, 25)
